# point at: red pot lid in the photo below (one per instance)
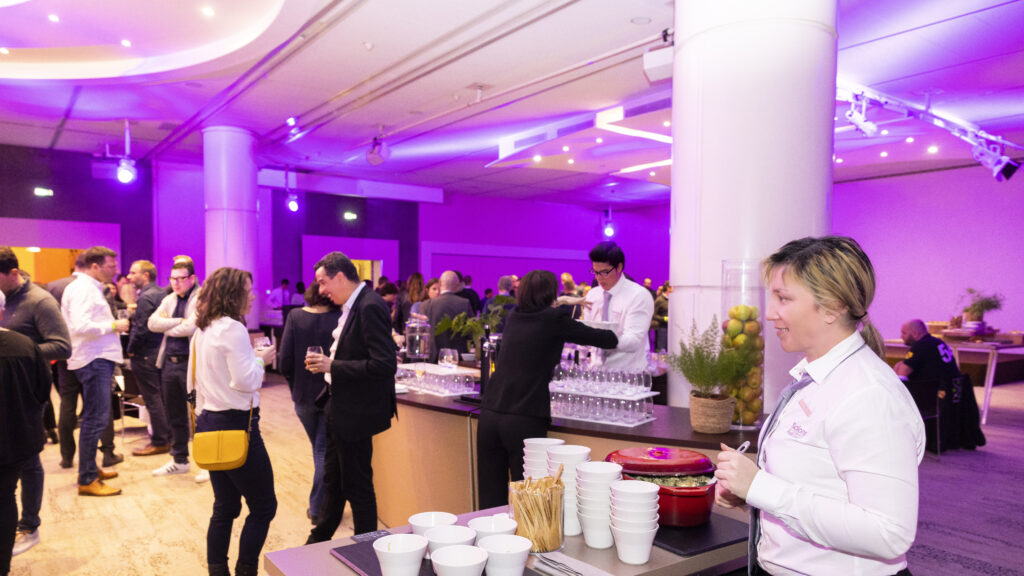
(661, 461)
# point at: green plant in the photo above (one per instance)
(472, 328)
(706, 366)
(981, 303)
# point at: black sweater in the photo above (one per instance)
(24, 385)
(531, 347)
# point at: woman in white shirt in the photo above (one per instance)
(227, 376)
(834, 489)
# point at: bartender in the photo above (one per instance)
(516, 403)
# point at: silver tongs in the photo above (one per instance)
(563, 568)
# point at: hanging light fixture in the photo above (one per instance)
(126, 171)
(379, 151)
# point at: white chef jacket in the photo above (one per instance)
(838, 488)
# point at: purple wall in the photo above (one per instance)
(931, 236)
(77, 196)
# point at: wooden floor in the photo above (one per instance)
(971, 518)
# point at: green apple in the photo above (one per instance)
(733, 328)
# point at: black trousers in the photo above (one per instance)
(348, 477)
(70, 391)
(499, 452)
(758, 571)
(9, 474)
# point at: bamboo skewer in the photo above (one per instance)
(537, 508)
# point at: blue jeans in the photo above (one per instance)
(254, 480)
(314, 420)
(95, 378)
(31, 493)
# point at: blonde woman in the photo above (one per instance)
(227, 374)
(834, 489)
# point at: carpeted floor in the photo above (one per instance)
(971, 519)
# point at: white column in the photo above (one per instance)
(230, 195)
(752, 117)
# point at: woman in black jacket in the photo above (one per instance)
(516, 403)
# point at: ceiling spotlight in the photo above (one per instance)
(607, 226)
(4, 51)
(883, 154)
(666, 123)
(571, 161)
(208, 11)
(537, 158)
(885, 132)
(290, 121)
(126, 43)
(857, 115)
(599, 140)
(990, 155)
(293, 202)
(565, 148)
(839, 160)
(909, 140)
(933, 149)
(126, 171)
(53, 18)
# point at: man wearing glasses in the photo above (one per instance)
(627, 305)
(176, 320)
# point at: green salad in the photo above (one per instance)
(677, 481)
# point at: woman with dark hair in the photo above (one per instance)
(834, 488)
(309, 326)
(516, 403)
(406, 299)
(226, 375)
(431, 290)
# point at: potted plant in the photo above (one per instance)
(981, 303)
(711, 371)
(472, 328)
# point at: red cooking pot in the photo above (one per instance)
(677, 506)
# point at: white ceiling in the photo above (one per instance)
(447, 80)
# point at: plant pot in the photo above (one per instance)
(711, 415)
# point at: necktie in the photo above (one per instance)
(769, 427)
(605, 310)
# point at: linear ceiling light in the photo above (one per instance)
(606, 119)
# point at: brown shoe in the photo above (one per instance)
(150, 450)
(97, 488)
(105, 475)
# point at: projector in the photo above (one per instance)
(658, 64)
(378, 153)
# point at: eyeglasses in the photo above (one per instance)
(602, 273)
(180, 278)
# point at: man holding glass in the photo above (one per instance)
(143, 349)
(176, 320)
(627, 305)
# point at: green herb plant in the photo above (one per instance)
(709, 369)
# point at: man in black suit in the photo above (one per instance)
(360, 373)
(450, 304)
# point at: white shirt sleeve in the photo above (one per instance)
(637, 322)
(83, 318)
(878, 519)
(245, 370)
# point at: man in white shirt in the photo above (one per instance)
(95, 348)
(280, 296)
(624, 303)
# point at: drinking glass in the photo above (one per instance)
(260, 343)
(123, 315)
(448, 357)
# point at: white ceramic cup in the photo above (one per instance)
(459, 560)
(568, 453)
(633, 547)
(570, 523)
(634, 514)
(592, 493)
(599, 471)
(400, 554)
(594, 503)
(506, 554)
(531, 443)
(634, 489)
(635, 525)
(491, 525)
(440, 537)
(596, 531)
(426, 520)
(596, 485)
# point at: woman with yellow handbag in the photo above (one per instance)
(226, 374)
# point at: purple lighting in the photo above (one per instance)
(293, 203)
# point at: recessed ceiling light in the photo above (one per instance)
(126, 43)
(839, 160)
(537, 158)
(885, 132)
(4, 51)
(933, 149)
(666, 123)
(565, 148)
(571, 161)
(53, 18)
(599, 140)
(34, 249)
(910, 140)
(368, 46)
(651, 173)
(290, 121)
(207, 11)
(884, 154)
(641, 20)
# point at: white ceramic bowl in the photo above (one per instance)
(400, 554)
(596, 485)
(535, 462)
(440, 537)
(600, 471)
(596, 531)
(426, 520)
(594, 503)
(634, 489)
(634, 514)
(491, 525)
(569, 453)
(591, 493)
(635, 526)
(530, 443)
(506, 554)
(459, 560)
(633, 547)
(593, 512)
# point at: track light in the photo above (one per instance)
(857, 115)
(607, 226)
(293, 202)
(990, 155)
(126, 171)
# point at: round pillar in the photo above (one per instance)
(753, 104)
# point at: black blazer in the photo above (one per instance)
(363, 371)
(531, 347)
(447, 304)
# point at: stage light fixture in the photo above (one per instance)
(607, 225)
(293, 202)
(857, 115)
(990, 155)
(126, 171)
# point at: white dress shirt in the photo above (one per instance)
(838, 487)
(336, 333)
(90, 322)
(227, 373)
(630, 310)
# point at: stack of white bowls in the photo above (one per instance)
(535, 456)
(634, 519)
(593, 481)
(568, 456)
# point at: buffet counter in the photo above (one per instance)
(427, 460)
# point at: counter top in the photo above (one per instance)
(670, 426)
